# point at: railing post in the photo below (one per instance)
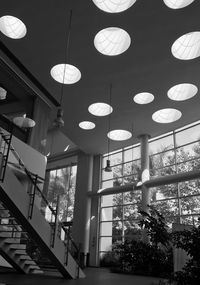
(54, 226)
(4, 158)
(32, 197)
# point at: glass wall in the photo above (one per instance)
(119, 212)
(175, 152)
(61, 184)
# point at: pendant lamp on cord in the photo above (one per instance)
(24, 122)
(108, 167)
(59, 122)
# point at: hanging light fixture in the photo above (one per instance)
(3, 93)
(108, 167)
(24, 122)
(64, 74)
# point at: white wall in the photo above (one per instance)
(33, 160)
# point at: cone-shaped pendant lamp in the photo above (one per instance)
(108, 167)
(59, 122)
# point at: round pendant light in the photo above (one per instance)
(119, 135)
(167, 115)
(182, 92)
(24, 122)
(65, 73)
(12, 27)
(116, 6)
(112, 41)
(143, 98)
(87, 125)
(178, 4)
(187, 46)
(3, 93)
(100, 109)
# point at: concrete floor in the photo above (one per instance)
(94, 276)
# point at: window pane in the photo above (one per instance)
(167, 208)
(111, 213)
(190, 205)
(117, 228)
(107, 214)
(162, 159)
(115, 158)
(132, 230)
(111, 200)
(161, 144)
(132, 154)
(111, 183)
(189, 135)
(131, 212)
(164, 192)
(132, 197)
(191, 187)
(190, 220)
(168, 170)
(132, 167)
(105, 243)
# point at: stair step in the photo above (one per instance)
(20, 252)
(12, 240)
(32, 267)
(18, 246)
(30, 262)
(36, 271)
(25, 257)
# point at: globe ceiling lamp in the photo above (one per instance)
(3, 93)
(108, 167)
(116, 6)
(24, 122)
(12, 27)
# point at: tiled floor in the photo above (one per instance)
(94, 276)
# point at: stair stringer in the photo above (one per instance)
(14, 195)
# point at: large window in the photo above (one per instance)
(61, 185)
(175, 152)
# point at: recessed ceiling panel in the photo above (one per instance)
(12, 27)
(119, 135)
(114, 6)
(112, 41)
(177, 4)
(187, 46)
(100, 109)
(66, 73)
(143, 98)
(167, 115)
(87, 125)
(182, 92)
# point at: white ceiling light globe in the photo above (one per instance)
(112, 41)
(3, 93)
(12, 27)
(119, 135)
(182, 92)
(100, 109)
(165, 116)
(65, 73)
(143, 98)
(115, 6)
(87, 125)
(187, 46)
(177, 4)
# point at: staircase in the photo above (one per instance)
(26, 218)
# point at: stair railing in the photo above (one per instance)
(5, 144)
(34, 189)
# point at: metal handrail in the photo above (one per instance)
(33, 177)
